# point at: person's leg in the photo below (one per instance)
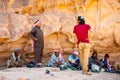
(11, 64)
(85, 58)
(37, 54)
(77, 65)
(81, 51)
(21, 63)
(41, 55)
(17, 64)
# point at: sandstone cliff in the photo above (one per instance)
(58, 18)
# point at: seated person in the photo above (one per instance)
(117, 67)
(15, 59)
(94, 63)
(73, 60)
(106, 63)
(56, 59)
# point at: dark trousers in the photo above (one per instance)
(77, 65)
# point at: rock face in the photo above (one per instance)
(58, 18)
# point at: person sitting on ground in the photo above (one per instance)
(106, 63)
(117, 67)
(94, 63)
(15, 59)
(74, 61)
(56, 59)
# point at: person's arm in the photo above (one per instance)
(89, 33)
(11, 58)
(52, 58)
(108, 64)
(61, 58)
(75, 40)
(70, 59)
(32, 34)
(75, 37)
(58, 63)
(63, 61)
(91, 60)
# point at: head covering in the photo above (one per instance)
(56, 50)
(36, 22)
(80, 18)
(16, 49)
(60, 55)
(76, 53)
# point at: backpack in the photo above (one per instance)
(31, 64)
(95, 68)
(63, 67)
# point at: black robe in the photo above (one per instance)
(39, 44)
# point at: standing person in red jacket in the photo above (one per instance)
(82, 42)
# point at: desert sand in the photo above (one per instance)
(55, 74)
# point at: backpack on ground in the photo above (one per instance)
(95, 68)
(31, 64)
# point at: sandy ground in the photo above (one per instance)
(39, 74)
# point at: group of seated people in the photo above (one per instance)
(95, 64)
(58, 61)
(17, 59)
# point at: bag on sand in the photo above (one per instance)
(31, 64)
(63, 67)
(95, 68)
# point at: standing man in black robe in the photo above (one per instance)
(37, 36)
